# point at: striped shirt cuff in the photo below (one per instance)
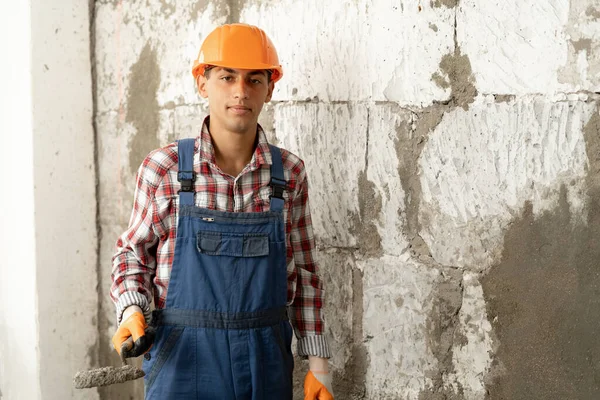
(313, 346)
(132, 299)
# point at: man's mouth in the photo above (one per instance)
(240, 109)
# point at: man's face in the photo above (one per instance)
(236, 96)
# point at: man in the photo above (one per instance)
(221, 239)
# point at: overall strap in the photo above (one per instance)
(186, 175)
(278, 182)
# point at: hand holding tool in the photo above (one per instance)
(133, 338)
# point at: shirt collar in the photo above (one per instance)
(261, 156)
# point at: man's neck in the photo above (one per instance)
(233, 151)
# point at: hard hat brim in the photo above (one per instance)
(277, 71)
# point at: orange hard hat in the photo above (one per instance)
(238, 46)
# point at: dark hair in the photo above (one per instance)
(210, 67)
(207, 71)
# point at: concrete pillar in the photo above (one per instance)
(19, 372)
(48, 282)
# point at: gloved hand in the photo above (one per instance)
(131, 338)
(317, 386)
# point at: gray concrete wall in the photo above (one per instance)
(452, 151)
(65, 195)
(48, 242)
(19, 370)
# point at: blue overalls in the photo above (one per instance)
(224, 332)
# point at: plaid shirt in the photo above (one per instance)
(144, 256)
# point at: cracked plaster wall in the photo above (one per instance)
(452, 154)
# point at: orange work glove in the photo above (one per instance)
(131, 337)
(317, 386)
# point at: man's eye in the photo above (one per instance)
(226, 78)
(256, 81)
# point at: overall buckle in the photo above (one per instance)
(279, 187)
(187, 179)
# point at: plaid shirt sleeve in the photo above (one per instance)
(306, 310)
(134, 262)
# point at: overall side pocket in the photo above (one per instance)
(284, 344)
(162, 355)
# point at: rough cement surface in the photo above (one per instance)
(397, 304)
(142, 106)
(411, 137)
(513, 56)
(343, 306)
(124, 28)
(457, 69)
(545, 315)
(593, 11)
(472, 342)
(267, 122)
(332, 141)
(447, 3)
(479, 166)
(363, 225)
(443, 332)
(583, 30)
(433, 134)
(338, 269)
(383, 171)
(543, 321)
(349, 380)
(372, 64)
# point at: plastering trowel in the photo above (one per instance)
(111, 375)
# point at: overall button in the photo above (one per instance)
(147, 356)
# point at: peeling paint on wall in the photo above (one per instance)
(473, 346)
(382, 169)
(411, 138)
(267, 121)
(592, 140)
(583, 62)
(446, 3)
(167, 7)
(593, 12)
(363, 223)
(198, 9)
(443, 334)
(582, 45)
(504, 98)
(458, 77)
(142, 106)
(351, 383)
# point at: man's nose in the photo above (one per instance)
(241, 89)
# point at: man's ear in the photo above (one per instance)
(270, 92)
(202, 81)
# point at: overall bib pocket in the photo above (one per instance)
(233, 244)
